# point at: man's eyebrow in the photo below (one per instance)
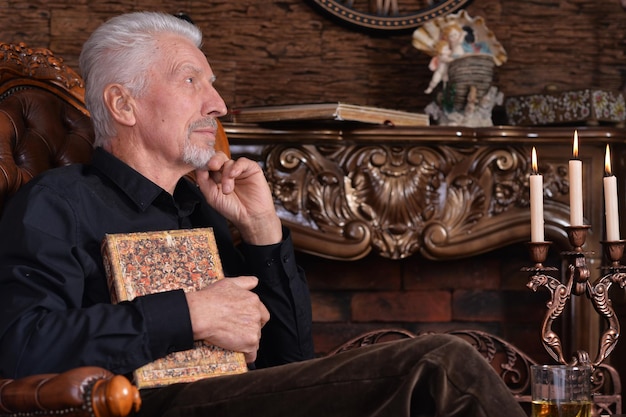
(186, 68)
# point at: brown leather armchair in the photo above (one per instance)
(44, 124)
(80, 392)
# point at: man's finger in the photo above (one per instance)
(245, 282)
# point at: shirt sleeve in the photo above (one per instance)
(56, 312)
(287, 336)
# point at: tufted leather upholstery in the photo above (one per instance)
(43, 123)
(39, 131)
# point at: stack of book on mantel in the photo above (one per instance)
(328, 112)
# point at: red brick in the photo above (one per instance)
(410, 306)
(329, 307)
(370, 273)
(501, 306)
(477, 272)
(527, 338)
(477, 305)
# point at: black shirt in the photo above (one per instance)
(55, 307)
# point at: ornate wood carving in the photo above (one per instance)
(43, 69)
(406, 199)
(441, 192)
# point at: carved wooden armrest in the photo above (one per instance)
(80, 392)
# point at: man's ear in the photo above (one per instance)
(120, 104)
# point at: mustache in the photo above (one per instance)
(202, 123)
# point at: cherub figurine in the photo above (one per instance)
(465, 66)
(439, 65)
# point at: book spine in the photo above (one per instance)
(111, 261)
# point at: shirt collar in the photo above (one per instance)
(138, 188)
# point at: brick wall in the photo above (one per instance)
(486, 292)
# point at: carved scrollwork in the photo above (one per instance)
(510, 363)
(599, 295)
(410, 198)
(556, 180)
(39, 63)
(559, 295)
(20, 60)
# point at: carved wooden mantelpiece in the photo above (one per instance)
(442, 192)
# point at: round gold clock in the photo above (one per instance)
(388, 15)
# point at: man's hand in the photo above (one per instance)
(228, 314)
(239, 191)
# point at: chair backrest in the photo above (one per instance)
(43, 119)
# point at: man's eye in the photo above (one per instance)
(189, 80)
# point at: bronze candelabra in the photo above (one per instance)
(577, 284)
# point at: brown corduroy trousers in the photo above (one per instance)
(431, 375)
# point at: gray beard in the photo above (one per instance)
(195, 156)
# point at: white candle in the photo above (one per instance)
(576, 187)
(536, 202)
(610, 200)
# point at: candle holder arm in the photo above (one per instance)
(599, 295)
(559, 294)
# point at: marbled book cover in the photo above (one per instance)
(148, 262)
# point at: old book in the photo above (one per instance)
(329, 111)
(147, 262)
